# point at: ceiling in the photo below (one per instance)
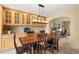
(49, 9)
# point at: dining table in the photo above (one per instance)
(35, 38)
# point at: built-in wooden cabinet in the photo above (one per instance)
(28, 19)
(7, 41)
(38, 21)
(34, 19)
(7, 16)
(26, 16)
(20, 18)
(23, 19)
(16, 17)
(42, 19)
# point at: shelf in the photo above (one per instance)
(40, 22)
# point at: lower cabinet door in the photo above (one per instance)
(8, 43)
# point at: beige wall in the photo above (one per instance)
(74, 22)
(66, 25)
(51, 23)
(1, 16)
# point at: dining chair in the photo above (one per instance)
(52, 44)
(19, 49)
(56, 44)
(45, 46)
(41, 44)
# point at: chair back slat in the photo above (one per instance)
(15, 45)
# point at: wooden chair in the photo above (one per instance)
(56, 44)
(47, 44)
(20, 49)
(41, 45)
(53, 43)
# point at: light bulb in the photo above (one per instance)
(46, 21)
(33, 20)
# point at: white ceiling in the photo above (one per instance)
(49, 9)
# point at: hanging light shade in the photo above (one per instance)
(34, 20)
(40, 5)
(41, 10)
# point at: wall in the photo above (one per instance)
(48, 26)
(66, 25)
(37, 29)
(51, 23)
(18, 29)
(74, 22)
(1, 17)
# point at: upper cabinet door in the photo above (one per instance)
(34, 18)
(16, 17)
(41, 19)
(28, 19)
(7, 17)
(23, 18)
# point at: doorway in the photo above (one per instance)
(60, 25)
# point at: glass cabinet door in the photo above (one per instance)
(42, 19)
(16, 18)
(8, 17)
(22, 18)
(34, 18)
(28, 19)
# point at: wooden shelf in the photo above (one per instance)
(40, 23)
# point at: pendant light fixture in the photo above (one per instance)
(41, 11)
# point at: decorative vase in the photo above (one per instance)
(8, 32)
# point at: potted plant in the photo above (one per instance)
(8, 29)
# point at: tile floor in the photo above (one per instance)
(64, 48)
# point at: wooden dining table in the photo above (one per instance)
(35, 38)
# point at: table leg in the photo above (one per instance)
(32, 49)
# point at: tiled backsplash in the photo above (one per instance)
(37, 29)
(20, 29)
